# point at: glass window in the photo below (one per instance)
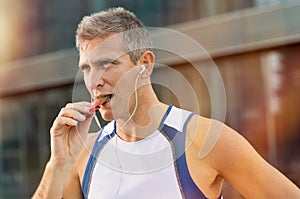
(24, 141)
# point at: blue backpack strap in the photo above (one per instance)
(176, 135)
(93, 159)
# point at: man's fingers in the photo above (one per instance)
(71, 113)
(61, 123)
(67, 121)
(82, 107)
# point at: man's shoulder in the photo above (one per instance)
(204, 132)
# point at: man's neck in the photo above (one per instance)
(144, 122)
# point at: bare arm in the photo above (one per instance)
(67, 140)
(53, 182)
(72, 188)
(237, 161)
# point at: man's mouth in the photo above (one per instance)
(106, 98)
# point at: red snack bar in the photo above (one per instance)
(95, 107)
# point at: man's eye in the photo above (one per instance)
(107, 64)
(115, 62)
(84, 67)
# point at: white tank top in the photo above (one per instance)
(152, 168)
(133, 170)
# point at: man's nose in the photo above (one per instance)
(96, 78)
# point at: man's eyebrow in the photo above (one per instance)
(101, 61)
(105, 61)
(98, 62)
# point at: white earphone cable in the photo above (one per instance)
(126, 122)
(136, 100)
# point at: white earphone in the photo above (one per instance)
(142, 70)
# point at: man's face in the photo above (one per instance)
(109, 75)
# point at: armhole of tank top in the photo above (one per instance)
(186, 183)
(207, 145)
(197, 193)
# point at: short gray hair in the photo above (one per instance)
(136, 39)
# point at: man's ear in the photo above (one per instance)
(147, 59)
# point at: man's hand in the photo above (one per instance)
(69, 132)
(68, 136)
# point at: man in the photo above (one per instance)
(149, 149)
